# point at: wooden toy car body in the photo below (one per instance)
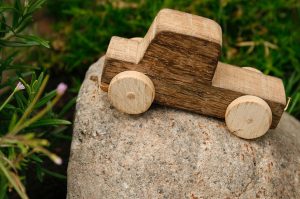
(180, 54)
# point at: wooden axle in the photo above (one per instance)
(179, 54)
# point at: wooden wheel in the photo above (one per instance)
(248, 117)
(131, 92)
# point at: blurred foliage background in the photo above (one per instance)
(264, 34)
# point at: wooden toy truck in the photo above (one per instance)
(177, 64)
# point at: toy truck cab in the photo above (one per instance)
(176, 64)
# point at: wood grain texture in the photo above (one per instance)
(182, 63)
(248, 82)
(248, 117)
(177, 40)
(131, 92)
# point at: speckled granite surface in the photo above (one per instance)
(168, 153)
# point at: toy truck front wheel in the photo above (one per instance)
(131, 92)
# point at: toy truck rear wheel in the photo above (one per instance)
(131, 92)
(248, 117)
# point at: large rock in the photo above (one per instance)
(168, 153)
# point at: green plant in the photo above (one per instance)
(26, 115)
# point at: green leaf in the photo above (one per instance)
(3, 187)
(21, 67)
(34, 39)
(14, 180)
(9, 106)
(49, 122)
(39, 173)
(17, 15)
(7, 8)
(17, 43)
(33, 78)
(45, 99)
(40, 79)
(34, 89)
(3, 26)
(295, 100)
(36, 158)
(21, 100)
(34, 5)
(13, 121)
(27, 87)
(12, 80)
(67, 107)
(26, 19)
(54, 174)
(4, 64)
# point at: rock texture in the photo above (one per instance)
(168, 153)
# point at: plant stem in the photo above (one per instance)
(14, 182)
(30, 107)
(8, 35)
(8, 99)
(36, 117)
